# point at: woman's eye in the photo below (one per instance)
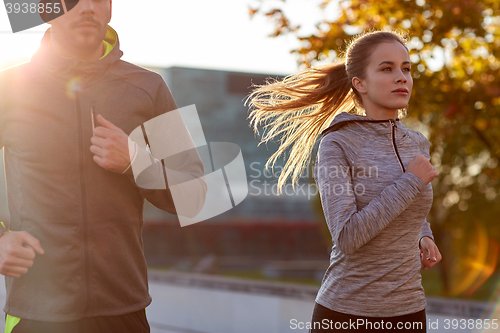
(406, 69)
(387, 68)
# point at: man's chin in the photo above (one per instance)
(87, 41)
(88, 33)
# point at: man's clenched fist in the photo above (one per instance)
(110, 146)
(17, 252)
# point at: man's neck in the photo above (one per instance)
(65, 52)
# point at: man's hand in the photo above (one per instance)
(429, 253)
(17, 251)
(110, 146)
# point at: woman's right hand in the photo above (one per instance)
(422, 168)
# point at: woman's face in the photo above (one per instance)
(387, 85)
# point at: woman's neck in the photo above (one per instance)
(382, 114)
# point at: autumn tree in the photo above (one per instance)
(454, 49)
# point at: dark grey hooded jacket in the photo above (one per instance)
(376, 213)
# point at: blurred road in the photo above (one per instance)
(191, 309)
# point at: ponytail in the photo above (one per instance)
(297, 109)
(301, 106)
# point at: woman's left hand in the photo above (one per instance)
(429, 253)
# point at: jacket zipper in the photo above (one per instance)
(393, 126)
(92, 116)
(84, 198)
(393, 130)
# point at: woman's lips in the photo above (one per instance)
(400, 92)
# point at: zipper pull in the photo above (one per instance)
(92, 117)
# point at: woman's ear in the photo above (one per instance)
(359, 85)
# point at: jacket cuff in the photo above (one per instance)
(3, 229)
(134, 154)
(415, 182)
(151, 175)
(425, 235)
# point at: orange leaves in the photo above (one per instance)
(451, 110)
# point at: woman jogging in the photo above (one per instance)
(373, 175)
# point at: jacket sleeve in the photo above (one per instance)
(426, 226)
(188, 169)
(350, 228)
(425, 231)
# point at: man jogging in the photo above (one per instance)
(73, 253)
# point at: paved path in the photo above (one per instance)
(190, 309)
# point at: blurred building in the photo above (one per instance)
(219, 97)
(264, 226)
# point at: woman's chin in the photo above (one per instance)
(397, 106)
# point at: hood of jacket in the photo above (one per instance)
(46, 59)
(380, 127)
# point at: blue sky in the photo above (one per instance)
(214, 34)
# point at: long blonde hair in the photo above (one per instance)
(299, 107)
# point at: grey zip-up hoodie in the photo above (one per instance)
(376, 213)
